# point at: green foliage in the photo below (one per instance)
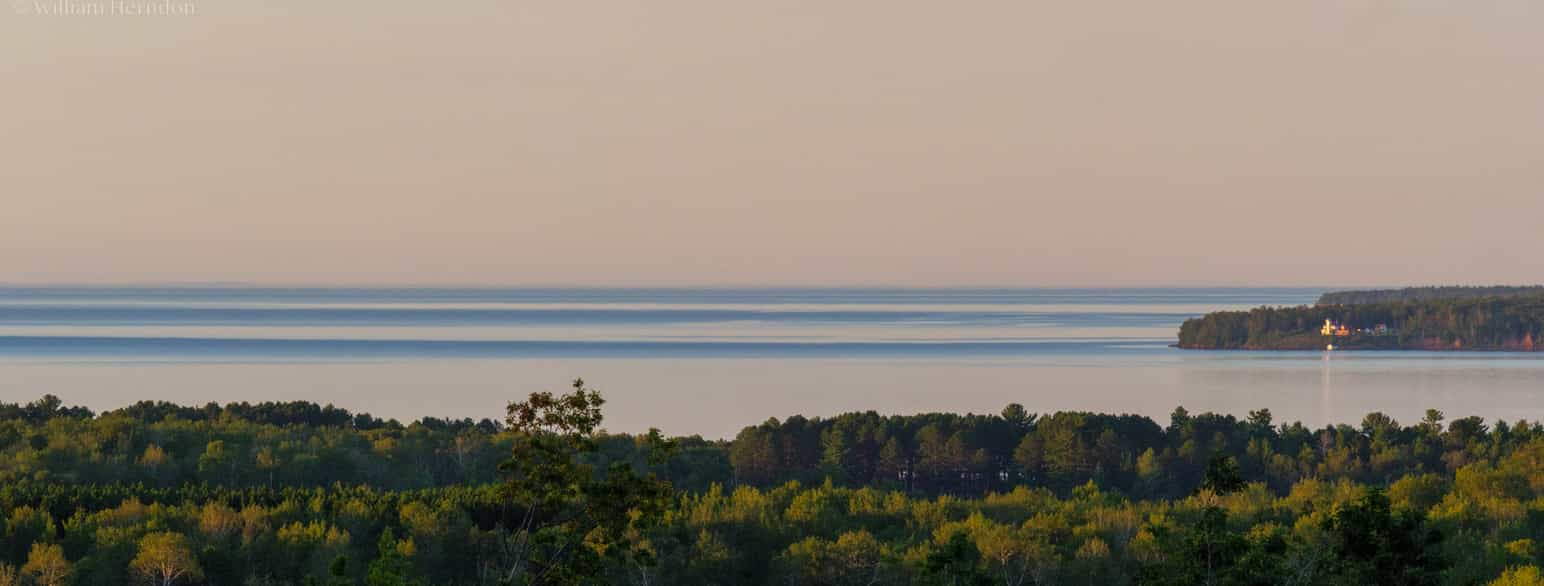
(1425, 294)
(1065, 498)
(391, 566)
(47, 565)
(1520, 576)
(956, 561)
(571, 515)
(337, 573)
(289, 444)
(1222, 475)
(1374, 545)
(1443, 323)
(164, 558)
(1205, 553)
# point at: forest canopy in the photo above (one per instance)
(294, 493)
(1483, 323)
(1426, 294)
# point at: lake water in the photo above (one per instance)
(711, 361)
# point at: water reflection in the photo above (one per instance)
(711, 362)
(1326, 392)
(716, 397)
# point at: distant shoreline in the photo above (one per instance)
(1432, 319)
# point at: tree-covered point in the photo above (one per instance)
(1487, 323)
(546, 497)
(1408, 294)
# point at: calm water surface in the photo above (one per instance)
(711, 361)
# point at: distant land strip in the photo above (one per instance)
(1426, 294)
(1430, 318)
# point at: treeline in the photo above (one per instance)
(972, 455)
(545, 497)
(1488, 323)
(932, 454)
(266, 413)
(292, 444)
(1409, 294)
(1426, 529)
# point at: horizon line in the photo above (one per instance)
(698, 286)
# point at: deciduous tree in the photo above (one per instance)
(164, 558)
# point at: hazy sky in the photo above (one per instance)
(657, 142)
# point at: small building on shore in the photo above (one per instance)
(1333, 329)
(1340, 330)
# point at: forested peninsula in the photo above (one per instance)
(1438, 318)
(1426, 294)
(300, 494)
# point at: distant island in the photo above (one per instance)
(1418, 318)
(1426, 294)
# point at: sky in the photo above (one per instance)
(705, 142)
